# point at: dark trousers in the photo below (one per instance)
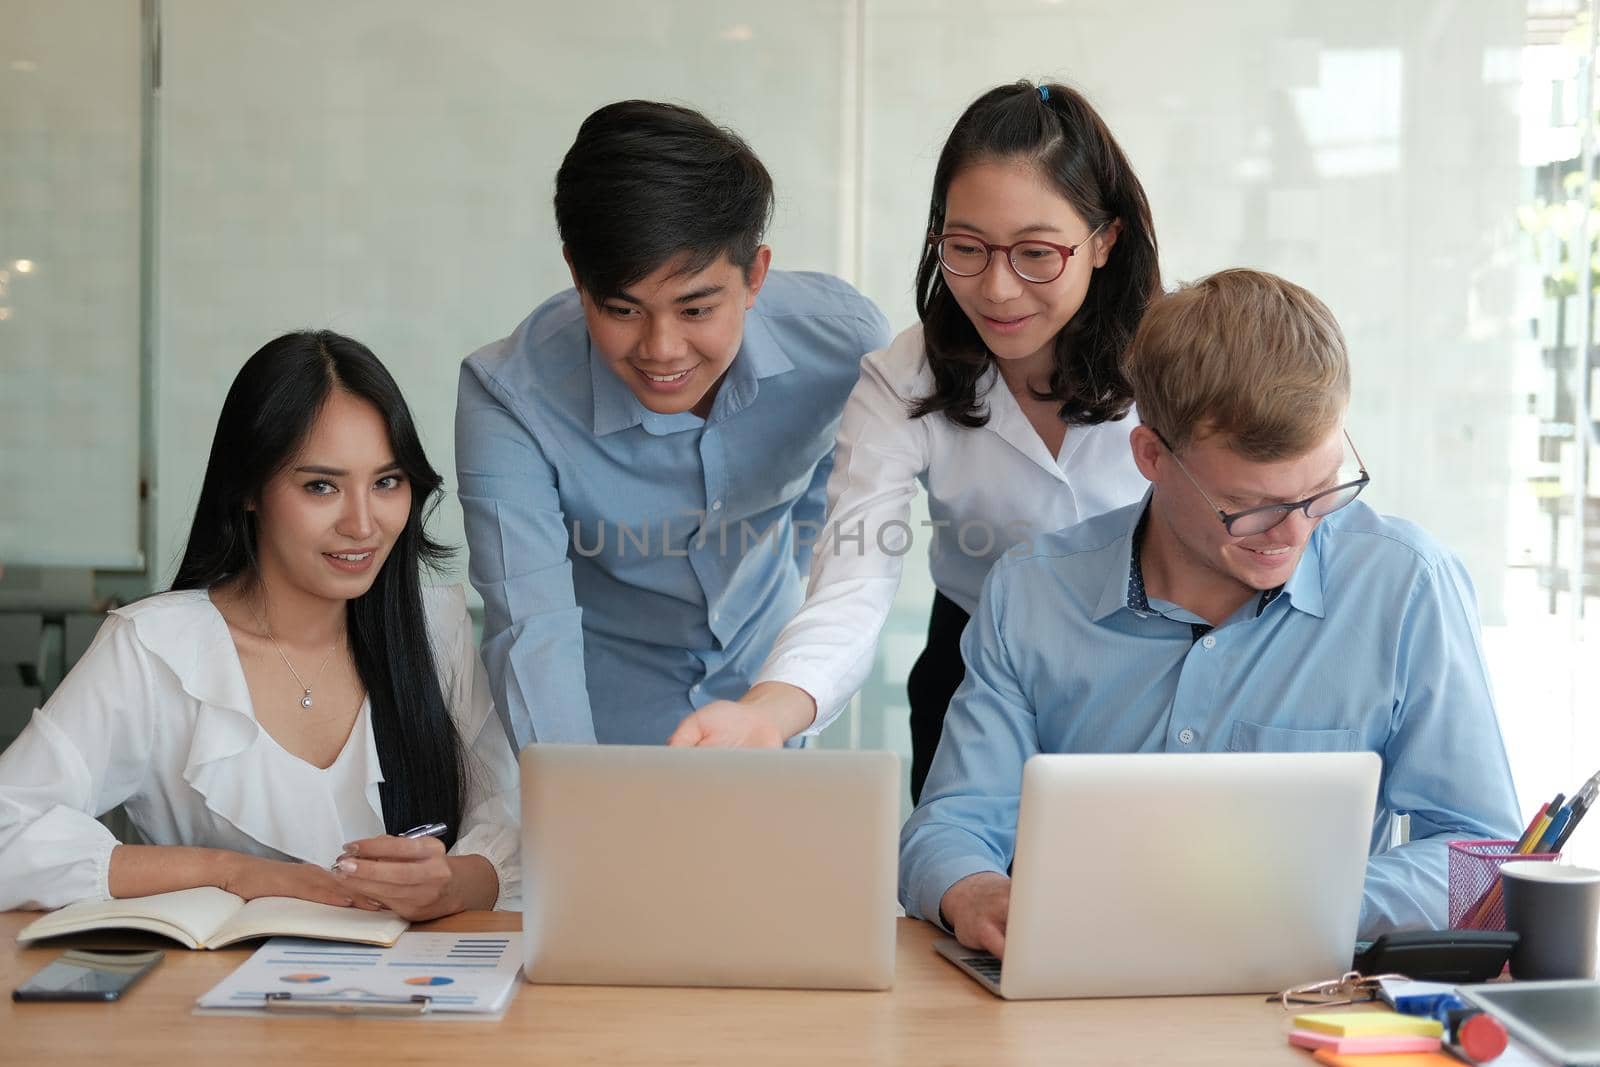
(934, 679)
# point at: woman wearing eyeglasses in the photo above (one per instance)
(1005, 402)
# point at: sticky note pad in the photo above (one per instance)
(1401, 1059)
(1369, 1024)
(1362, 1045)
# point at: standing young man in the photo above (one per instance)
(642, 462)
(1249, 604)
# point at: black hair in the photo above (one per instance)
(269, 410)
(1056, 129)
(646, 183)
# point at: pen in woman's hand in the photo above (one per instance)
(430, 829)
(427, 829)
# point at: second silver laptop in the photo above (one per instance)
(709, 867)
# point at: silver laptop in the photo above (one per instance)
(1148, 875)
(709, 867)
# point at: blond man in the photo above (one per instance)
(1249, 603)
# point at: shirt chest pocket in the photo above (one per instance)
(1254, 737)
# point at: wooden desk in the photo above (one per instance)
(934, 1015)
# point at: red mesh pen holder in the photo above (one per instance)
(1475, 900)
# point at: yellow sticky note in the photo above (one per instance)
(1391, 1059)
(1368, 1023)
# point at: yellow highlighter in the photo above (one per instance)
(1369, 1024)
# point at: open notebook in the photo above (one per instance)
(206, 917)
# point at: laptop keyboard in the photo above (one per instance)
(985, 965)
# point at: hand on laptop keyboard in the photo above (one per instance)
(975, 909)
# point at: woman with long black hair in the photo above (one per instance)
(298, 700)
(1005, 402)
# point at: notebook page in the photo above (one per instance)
(291, 917)
(187, 915)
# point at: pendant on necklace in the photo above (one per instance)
(306, 703)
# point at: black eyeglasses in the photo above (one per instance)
(1253, 521)
(1039, 262)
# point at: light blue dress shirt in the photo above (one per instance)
(1372, 645)
(635, 566)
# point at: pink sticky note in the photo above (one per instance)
(1357, 1046)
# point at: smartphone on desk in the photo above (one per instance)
(89, 974)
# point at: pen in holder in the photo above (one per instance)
(1474, 872)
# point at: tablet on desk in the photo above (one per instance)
(1558, 1020)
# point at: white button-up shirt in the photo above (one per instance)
(989, 490)
(157, 716)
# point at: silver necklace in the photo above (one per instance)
(305, 701)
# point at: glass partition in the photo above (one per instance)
(385, 169)
(69, 284)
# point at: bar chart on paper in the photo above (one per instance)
(460, 973)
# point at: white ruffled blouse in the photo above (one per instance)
(157, 716)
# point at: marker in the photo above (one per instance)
(1468, 1032)
(1474, 1036)
(1579, 808)
(1558, 826)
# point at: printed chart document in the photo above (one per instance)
(206, 917)
(473, 974)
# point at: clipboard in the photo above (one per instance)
(429, 976)
(332, 1004)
